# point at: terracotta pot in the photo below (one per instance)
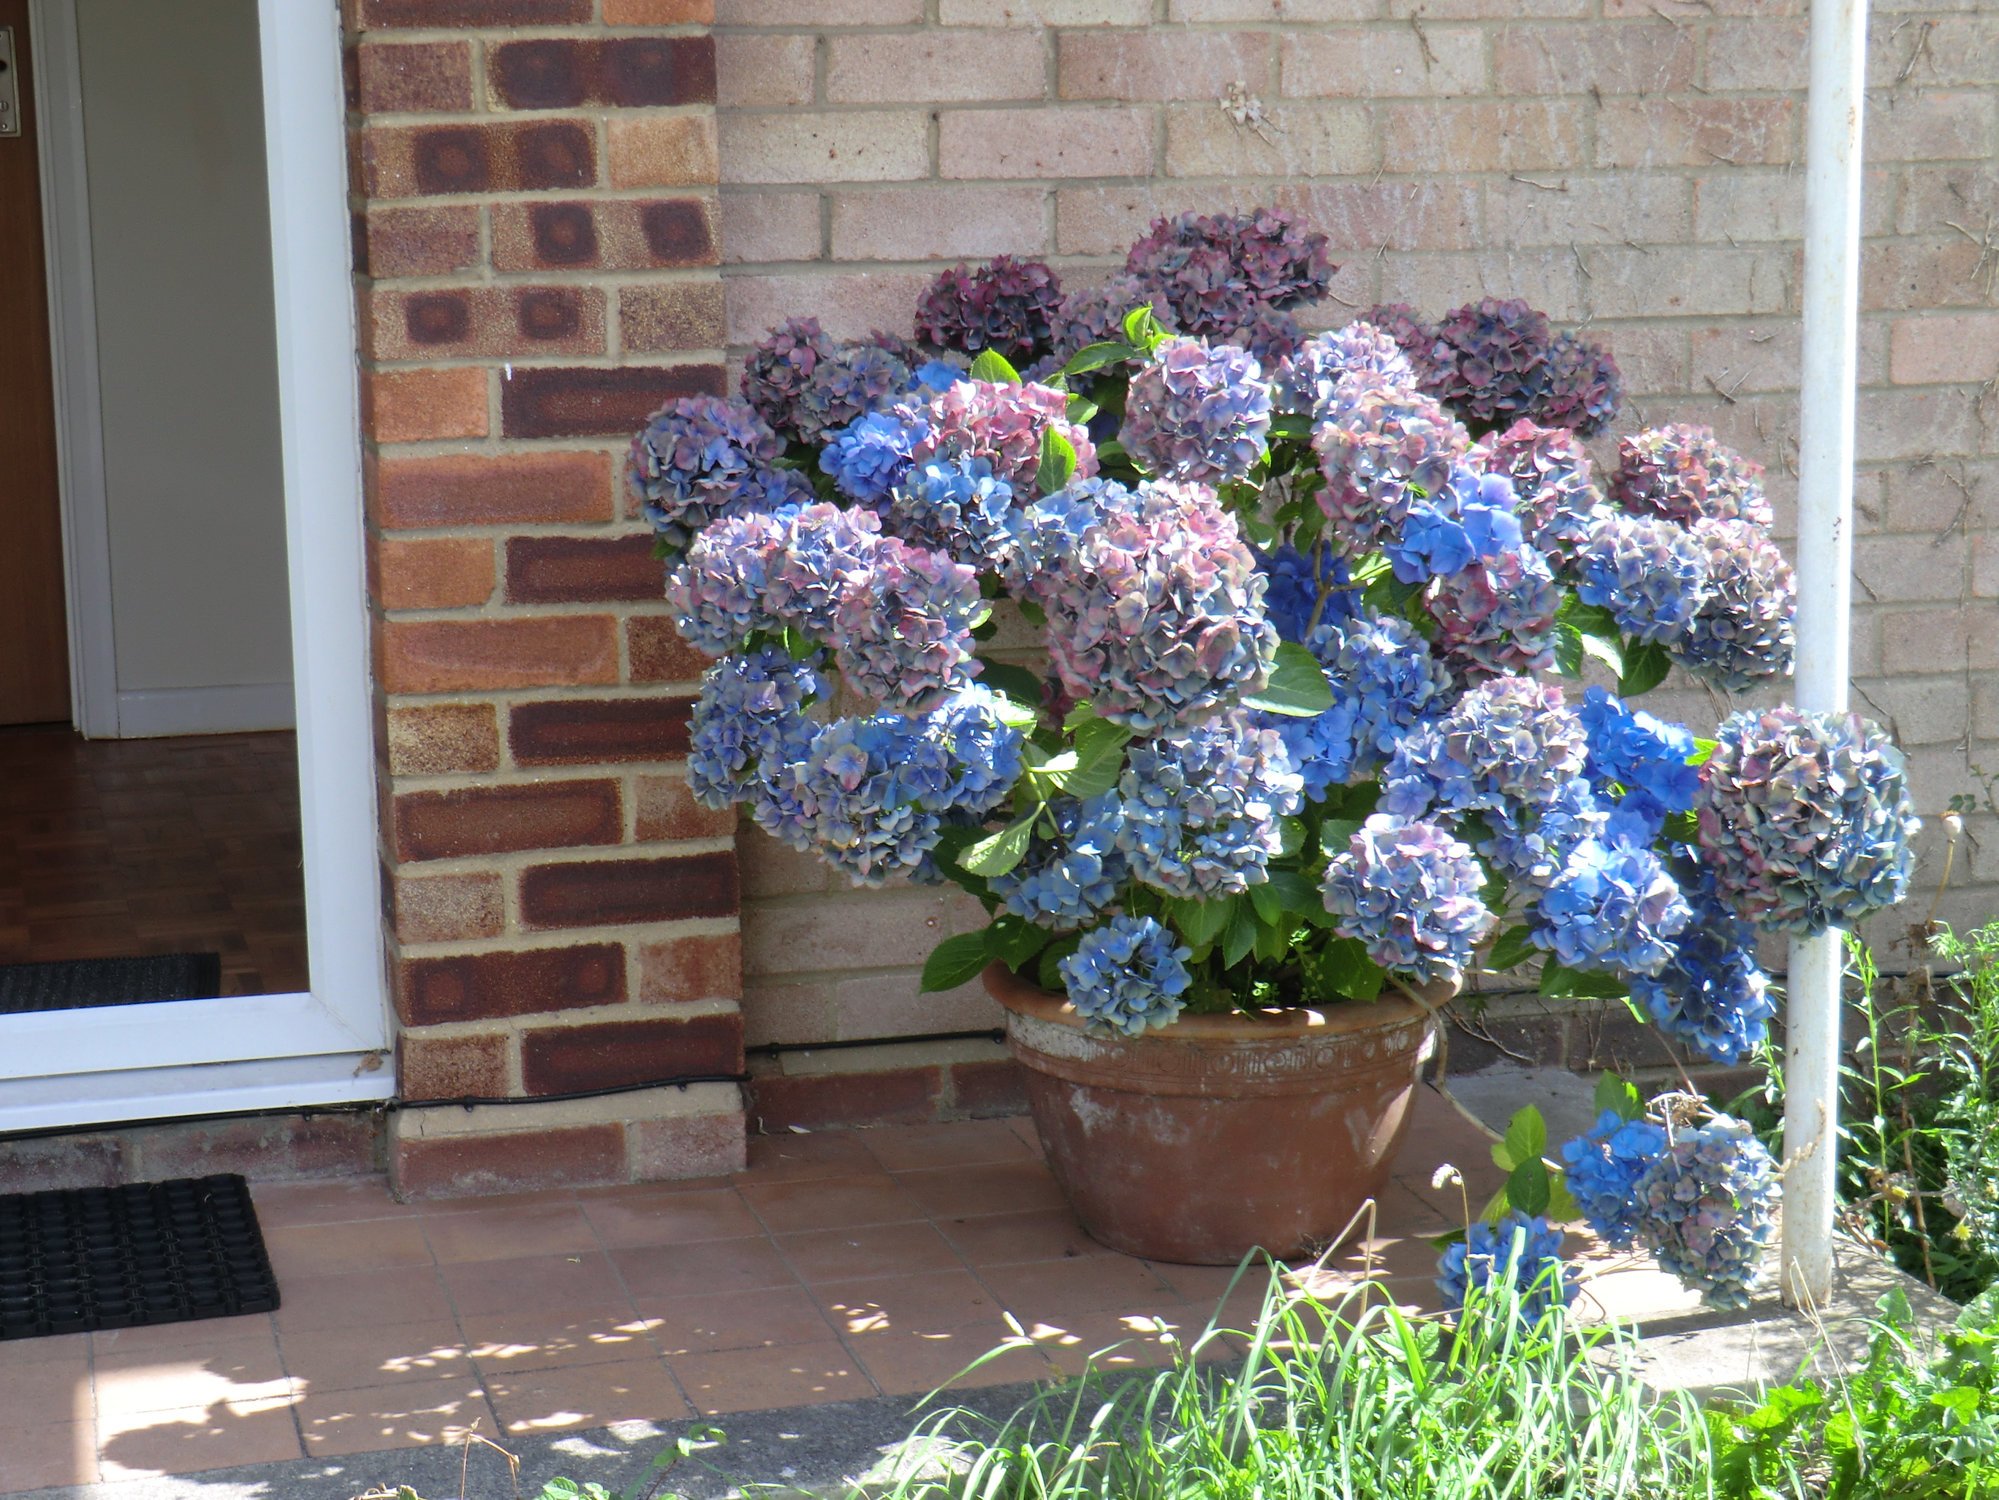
(1203, 1140)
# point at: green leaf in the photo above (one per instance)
(1268, 905)
(1048, 974)
(993, 369)
(1568, 649)
(1349, 972)
(1273, 939)
(1092, 768)
(1058, 460)
(1620, 1096)
(1513, 947)
(1142, 330)
(1562, 1205)
(1014, 940)
(1297, 688)
(1241, 934)
(1609, 652)
(1529, 1188)
(1096, 356)
(1031, 612)
(1645, 667)
(1291, 427)
(955, 961)
(1559, 982)
(1201, 922)
(1011, 681)
(1293, 892)
(800, 646)
(1527, 1137)
(1081, 409)
(1703, 752)
(1336, 833)
(1001, 851)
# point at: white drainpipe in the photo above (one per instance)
(1825, 573)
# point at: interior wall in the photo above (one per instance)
(173, 131)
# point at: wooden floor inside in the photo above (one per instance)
(115, 848)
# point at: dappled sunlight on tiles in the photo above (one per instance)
(533, 1340)
(561, 1400)
(408, 1414)
(757, 1379)
(187, 1439)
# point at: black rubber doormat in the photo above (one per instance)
(126, 1257)
(84, 983)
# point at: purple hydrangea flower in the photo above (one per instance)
(1384, 682)
(1415, 335)
(1005, 305)
(750, 715)
(846, 385)
(1649, 572)
(1805, 818)
(1603, 1168)
(904, 630)
(1712, 995)
(1612, 909)
(1409, 891)
(1096, 314)
(1003, 424)
(1198, 809)
(1214, 271)
(1273, 336)
(1382, 448)
(1639, 760)
(1197, 413)
(869, 454)
(1518, 1252)
(1497, 615)
(692, 462)
(1745, 629)
(1158, 617)
(1585, 388)
(1493, 357)
(1070, 880)
(824, 551)
(780, 367)
(1558, 499)
(1682, 473)
(1127, 975)
(1706, 1207)
(720, 590)
(1508, 742)
(1306, 382)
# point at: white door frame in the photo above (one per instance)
(327, 1046)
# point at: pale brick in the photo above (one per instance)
(1949, 347)
(758, 228)
(1697, 132)
(1923, 273)
(1757, 356)
(1272, 10)
(1379, 63)
(817, 12)
(1651, 356)
(1910, 569)
(755, 70)
(939, 223)
(1546, 278)
(1928, 497)
(1401, 215)
(1924, 640)
(1071, 141)
(1676, 279)
(1642, 58)
(1918, 710)
(1566, 209)
(1934, 195)
(1304, 140)
(1911, 424)
(773, 869)
(1985, 566)
(1484, 10)
(1044, 12)
(1481, 136)
(1161, 64)
(850, 146)
(936, 66)
(1764, 56)
(1936, 50)
(845, 930)
(848, 305)
(1105, 220)
(1928, 127)
(1698, 10)
(1744, 206)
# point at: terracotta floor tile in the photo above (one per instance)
(735, 1320)
(206, 1333)
(582, 1282)
(377, 1299)
(68, 1349)
(46, 1457)
(1054, 1289)
(588, 1396)
(407, 1414)
(830, 1203)
(345, 1359)
(545, 1228)
(611, 1192)
(874, 1250)
(996, 1188)
(165, 1379)
(330, 1249)
(793, 1157)
(281, 1205)
(706, 1267)
(914, 1364)
(965, 1143)
(31, 1395)
(1005, 1239)
(670, 1218)
(186, 1440)
(933, 1303)
(1209, 1284)
(761, 1379)
(493, 1203)
(532, 1339)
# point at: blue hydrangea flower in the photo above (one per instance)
(871, 453)
(1306, 382)
(1384, 682)
(1198, 809)
(1603, 1168)
(985, 752)
(1613, 909)
(1070, 880)
(904, 628)
(1382, 447)
(1745, 630)
(959, 507)
(1127, 975)
(825, 550)
(1197, 413)
(1707, 1208)
(750, 714)
(1650, 573)
(1806, 819)
(1470, 519)
(1519, 1252)
(689, 463)
(1292, 600)
(1509, 740)
(932, 378)
(1531, 844)
(1638, 760)
(1410, 891)
(719, 589)
(1712, 995)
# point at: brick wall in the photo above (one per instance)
(1630, 164)
(536, 240)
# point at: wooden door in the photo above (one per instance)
(34, 647)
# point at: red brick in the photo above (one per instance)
(433, 572)
(564, 1059)
(520, 1161)
(658, 12)
(658, 654)
(609, 892)
(983, 1090)
(442, 739)
(663, 151)
(413, 161)
(413, 77)
(418, 241)
(668, 317)
(597, 403)
(633, 72)
(576, 569)
(453, 1067)
(493, 489)
(708, 967)
(268, 1148)
(447, 908)
(571, 732)
(498, 819)
(412, 406)
(454, 322)
(473, 12)
(616, 235)
(443, 656)
(490, 986)
(683, 1146)
(908, 1096)
(666, 809)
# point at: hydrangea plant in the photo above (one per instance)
(1338, 633)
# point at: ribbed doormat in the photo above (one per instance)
(153, 1252)
(84, 983)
